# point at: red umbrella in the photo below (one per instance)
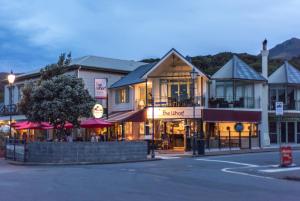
(68, 125)
(95, 123)
(34, 125)
(19, 123)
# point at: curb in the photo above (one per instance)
(79, 163)
(233, 152)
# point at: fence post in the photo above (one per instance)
(259, 140)
(250, 139)
(25, 151)
(5, 151)
(219, 132)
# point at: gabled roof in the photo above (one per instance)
(174, 51)
(93, 63)
(108, 63)
(235, 68)
(133, 77)
(140, 74)
(285, 74)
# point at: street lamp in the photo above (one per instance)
(193, 76)
(11, 79)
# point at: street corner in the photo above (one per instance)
(275, 171)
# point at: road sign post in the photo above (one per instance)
(279, 114)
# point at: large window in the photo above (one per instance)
(179, 89)
(234, 91)
(290, 97)
(122, 95)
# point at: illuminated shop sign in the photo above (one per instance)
(97, 111)
(100, 88)
(173, 112)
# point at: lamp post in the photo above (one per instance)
(193, 76)
(11, 79)
(153, 130)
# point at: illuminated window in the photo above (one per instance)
(122, 95)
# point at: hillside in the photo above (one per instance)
(286, 50)
(211, 63)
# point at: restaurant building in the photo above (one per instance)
(176, 101)
(161, 94)
(89, 68)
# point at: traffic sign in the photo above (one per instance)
(279, 108)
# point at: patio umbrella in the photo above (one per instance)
(95, 123)
(67, 125)
(34, 125)
(19, 123)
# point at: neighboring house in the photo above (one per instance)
(88, 68)
(235, 99)
(284, 86)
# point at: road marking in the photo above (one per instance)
(230, 162)
(280, 170)
(231, 170)
(167, 157)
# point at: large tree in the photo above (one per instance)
(56, 98)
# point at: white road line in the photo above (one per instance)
(167, 157)
(280, 170)
(230, 162)
(231, 170)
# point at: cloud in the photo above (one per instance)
(37, 31)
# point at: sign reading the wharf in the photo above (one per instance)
(100, 88)
(173, 112)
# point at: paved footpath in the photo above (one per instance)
(230, 177)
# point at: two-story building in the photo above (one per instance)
(159, 98)
(235, 95)
(284, 86)
(88, 68)
(175, 100)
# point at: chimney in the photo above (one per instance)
(264, 59)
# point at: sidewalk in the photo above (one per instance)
(217, 152)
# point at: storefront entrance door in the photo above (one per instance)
(173, 135)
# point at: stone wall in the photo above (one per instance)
(86, 152)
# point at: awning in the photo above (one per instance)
(95, 123)
(127, 116)
(219, 115)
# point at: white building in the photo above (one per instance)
(88, 68)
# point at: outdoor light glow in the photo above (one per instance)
(11, 78)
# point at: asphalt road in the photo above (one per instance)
(235, 177)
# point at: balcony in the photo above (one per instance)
(292, 105)
(230, 102)
(176, 102)
(6, 110)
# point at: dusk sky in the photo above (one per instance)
(33, 32)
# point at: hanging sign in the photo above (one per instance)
(97, 111)
(100, 88)
(279, 108)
